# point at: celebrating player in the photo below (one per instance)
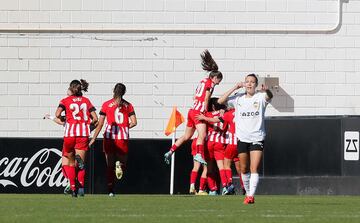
(250, 129)
(201, 99)
(117, 111)
(215, 144)
(79, 114)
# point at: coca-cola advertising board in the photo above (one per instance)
(31, 166)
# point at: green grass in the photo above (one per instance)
(189, 209)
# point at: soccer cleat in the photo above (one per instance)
(213, 193)
(167, 157)
(202, 193)
(199, 159)
(81, 192)
(231, 189)
(73, 193)
(192, 190)
(118, 170)
(249, 200)
(80, 162)
(67, 189)
(224, 191)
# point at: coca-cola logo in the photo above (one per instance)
(36, 170)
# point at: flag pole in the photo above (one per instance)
(172, 166)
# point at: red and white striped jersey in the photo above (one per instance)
(230, 137)
(216, 131)
(77, 110)
(199, 98)
(117, 119)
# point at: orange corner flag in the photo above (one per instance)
(175, 120)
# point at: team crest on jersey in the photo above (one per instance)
(256, 105)
(112, 104)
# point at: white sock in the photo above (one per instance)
(254, 180)
(246, 178)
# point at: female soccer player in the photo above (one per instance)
(250, 129)
(79, 113)
(194, 173)
(201, 98)
(230, 147)
(117, 111)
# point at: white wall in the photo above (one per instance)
(318, 72)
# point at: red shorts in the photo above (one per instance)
(72, 143)
(216, 150)
(192, 121)
(231, 151)
(116, 145)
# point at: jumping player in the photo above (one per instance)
(79, 113)
(117, 112)
(201, 98)
(250, 129)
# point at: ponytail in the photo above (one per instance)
(76, 87)
(209, 64)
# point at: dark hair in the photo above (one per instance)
(214, 105)
(209, 64)
(119, 90)
(256, 79)
(76, 87)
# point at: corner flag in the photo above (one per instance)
(175, 120)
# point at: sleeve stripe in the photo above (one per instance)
(62, 106)
(92, 109)
(131, 113)
(102, 113)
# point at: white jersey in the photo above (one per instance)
(249, 116)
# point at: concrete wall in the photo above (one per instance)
(318, 71)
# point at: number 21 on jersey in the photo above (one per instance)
(76, 109)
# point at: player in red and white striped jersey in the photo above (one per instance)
(215, 144)
(202, 95)
(80, 113)
(231, 153)
(117, 112)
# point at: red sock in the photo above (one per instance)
(71, 174)
(81, 177)
(200, 149)
(223, 177)
(110, 176)
(228, 176)
(65, 170)
(173, 148)
(203, 181)
(193, 176)
(212, 182)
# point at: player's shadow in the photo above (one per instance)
(282, 101)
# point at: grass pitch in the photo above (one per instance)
(189, 209)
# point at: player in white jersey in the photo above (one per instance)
(250, 129)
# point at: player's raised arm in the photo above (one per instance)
(223, 99)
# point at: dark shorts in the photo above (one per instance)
(245, 147)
